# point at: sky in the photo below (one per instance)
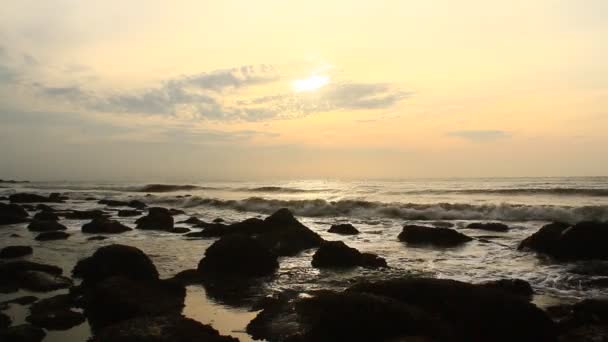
(246, 90)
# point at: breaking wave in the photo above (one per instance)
(510, 191)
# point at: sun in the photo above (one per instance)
(312, 83)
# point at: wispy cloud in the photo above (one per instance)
(480, 135)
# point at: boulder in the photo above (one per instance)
(211, 230)
(46, 216)
(33, 198)
(44, 207)
(15, 251)
(422, 235)
(84, 214)
(491, 226)
(42, 282)
(116, 299)
(137, 204)
(585, 321)
(12, 273)
(22, 333)
(50, 236)
(116, 260)
(12, 214)
(45, 226)
(180, 230)
(239, 256)
(165, 328)
(55, 313)
(192, 220)
(97, 238)
(336, 254)
(102, 225)
(157, 219)
(343, 229)
(472, 312)
(129, 213)
(582, 241)
(113, 203)
(516, 287)
(5, 321)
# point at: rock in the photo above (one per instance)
(55, 313)
(586, 321)
(116, 260)
(116, 299)
(442, 224)
(137, 204)
(33, 198)
(57, 197)
(238, 255)
(491, 226)
(5, 321)
(49, 236)
(97, 238)
(12, 214)
(44, 207)
(157, 219)
(180, 230)
(42, 282)
(473, 312)
(45, 226)
(187, 277)
(343, 229)
(582, 241)
(444, 237)
(336, 254)
(23, 300)
(84, 214)
(11, 269)
(175, 212)
(166, 328)
(102, 225)
(129, 213)
(192, 220)
(27, 274)
(218, 220)
(211, 230)
(46, 216)
(22, 333)
(113, 203)
(516, 287)
(15, 251)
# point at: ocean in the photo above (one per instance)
(377, 208)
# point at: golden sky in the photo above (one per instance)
(170, 90)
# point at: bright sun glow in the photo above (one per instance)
(312, 83)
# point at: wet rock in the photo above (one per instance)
(104, 225)
(336, 254)
(84, 214)
(238, 255)
(97, 238)
(15, 251)
(192, 220)
(113, 203)
(129, 213)
(23, 300)
(444, 237)
(57, 197)
(46, 216)
(44, 207)
(42, 282)
(218, 220)
(175, 212)
(211, 230)
(33, 198)
(516, 287)
(582, 241)
(137, 204)
(180, 230)
(45, 226)
(343, 229)
(5, 321)
(22, 333)
(491, 226)
(116, 260)
(50, 236)
(166, 328)
(187, 277)
(12, 214)
(11, 269)
(157, 219)
(55, 313)
(116, 299)
(474, 313)
(586, 321)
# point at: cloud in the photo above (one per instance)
(480, 135)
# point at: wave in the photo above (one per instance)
(171, 187)
(405, 211)
(280, 189)
(510, 191)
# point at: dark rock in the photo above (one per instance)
(180, 230)
(104, 225)
(44, 207)
(187, 277)
(22, 333)
(433, 236)
(15, 251)
(113, 203)
(582, 241)
(84, 214)
(97, 238)
(116, 260)
(212, 230)
(42, 282)
(15, 235)
(218, 220)
(57, 197)
(442, 224)
(343, 229)
(50, 236)
(473, 312)
(5, 321)
(33, 198)
(336, 254)
(491, 226)
(129, 213)
(157, 219)
(115, 299)
(10, 270)
(90, 199)
(175, 212)
(46, 216)
(45, 226)
(516, 287)
(192, 220)
(23, 300)
(166, 328)
(586, 321)
(137, 204)
(238, 255)
(12, 214)
(55, 313)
